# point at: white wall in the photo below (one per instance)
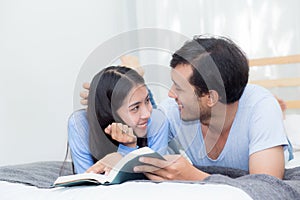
(44, 44)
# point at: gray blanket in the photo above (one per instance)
(258, 186)
(39, 174)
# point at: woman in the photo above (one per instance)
(117, 94)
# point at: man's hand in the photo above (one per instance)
(128, 61)
(175, 167)
(132, 62)
(105, 164)
(283, 105)
(84, 94)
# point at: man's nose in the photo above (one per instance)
(171, 93)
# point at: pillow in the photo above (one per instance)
(292, 127)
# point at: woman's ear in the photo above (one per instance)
(212, 98)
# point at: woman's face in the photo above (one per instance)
(136, 110)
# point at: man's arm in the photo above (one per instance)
(175, 167)
(269, 161)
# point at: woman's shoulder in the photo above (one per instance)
(78, 114)
(78, 118)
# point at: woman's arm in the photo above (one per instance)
(78, 135)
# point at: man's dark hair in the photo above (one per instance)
(218, 64)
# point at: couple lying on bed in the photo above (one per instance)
(212, 114)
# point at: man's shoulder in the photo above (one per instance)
(254, 94)
(256, 90)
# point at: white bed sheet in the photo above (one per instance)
(136, 190)
(129, 190)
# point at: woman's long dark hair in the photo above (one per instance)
(108, 90)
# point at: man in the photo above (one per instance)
(219, 120)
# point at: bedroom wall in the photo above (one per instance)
(44, 44)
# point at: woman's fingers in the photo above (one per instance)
(121, 133)
(105, 164)
(97, 168)
(107, 130)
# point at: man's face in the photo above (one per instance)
(183, 92)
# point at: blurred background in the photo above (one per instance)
(49, 48)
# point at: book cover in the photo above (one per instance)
(122, 171)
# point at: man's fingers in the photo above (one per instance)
(84, 102)
(153, 177)
(159, 163)
(86, 85)
(84, 94)
(153, 173)
(152, 164)
(145, 168)
(129, 61)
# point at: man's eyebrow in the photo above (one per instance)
(175, 83)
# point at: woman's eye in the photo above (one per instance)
(135, 109)
(147, 100)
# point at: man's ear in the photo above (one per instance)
(212, 98)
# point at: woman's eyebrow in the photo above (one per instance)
(134, 104)
(138, 102)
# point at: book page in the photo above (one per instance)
(77, 178)
(124, 169)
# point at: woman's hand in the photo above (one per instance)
(105, 164)
(121, 133)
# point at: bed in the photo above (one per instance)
(34, 180)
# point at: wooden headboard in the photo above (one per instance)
(284, 82)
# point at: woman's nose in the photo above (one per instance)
(146, 112)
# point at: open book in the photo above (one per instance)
(121, 172)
